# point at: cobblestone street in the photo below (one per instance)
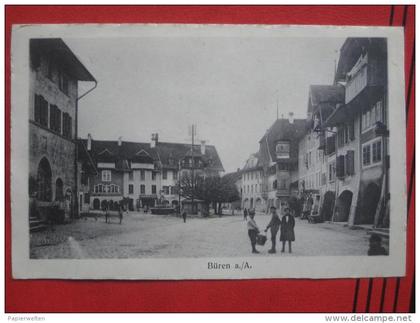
(145, 235)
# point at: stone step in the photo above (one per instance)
(382, 233)
(36, 224)
(37, 228)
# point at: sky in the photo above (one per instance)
(229, 87)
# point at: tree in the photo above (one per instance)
(209, 189)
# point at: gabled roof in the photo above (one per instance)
(58, 48)
(353, 48)
(233, 177)
(282, 130)
(164, 153)
(170, 152)
(324, 99)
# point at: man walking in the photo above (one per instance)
(274, 225)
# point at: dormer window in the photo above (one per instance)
(283, 149)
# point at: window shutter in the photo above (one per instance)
(340, 167)
(350, 162)
(37, 108)
(351, 131)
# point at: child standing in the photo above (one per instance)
(287, 231)
(252, 230)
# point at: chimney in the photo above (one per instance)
(203, 147)
(154, 141)
(119, 141)
(89, 142)
(291, 117)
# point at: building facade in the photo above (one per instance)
(278, 158)
(54, 75)
(362, 133)
(252, 184)
(318, 153)
(146, 174)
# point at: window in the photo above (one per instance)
(275, 184)
(371, 116)
(252, 188)
(130, 176)
(86, 198)
(55, 118)
(41, 110)
(376, 152)
(67, 126)
(165, 190)
(172, 190)
(106, 175)
(130, 189)
(283, 149)
(153, 176)
(366, 155)
(106, 188)
(174, 175)
(142, 189)
(165, 174)
(372, 152)
(331, 172)
(63, 82)
(142, 176)
(153, 189)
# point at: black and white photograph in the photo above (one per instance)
(207, 152)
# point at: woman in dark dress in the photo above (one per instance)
(287, 231)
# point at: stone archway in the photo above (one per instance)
(328, 206)
(343, 205)
(44, 180)
(96, 204)
(369, 203)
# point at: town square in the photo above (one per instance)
(146, 165)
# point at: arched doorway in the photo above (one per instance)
(96, 204)
(342, 210)
(44, 180)
(59, 195)
(328, 206)
(370, 199)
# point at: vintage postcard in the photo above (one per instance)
(207, 152)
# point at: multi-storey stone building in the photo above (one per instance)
(339, 154)
(252, 184)
(144, 173)
(278, 157)
(54, 75)
(362, 133)
(317, 150)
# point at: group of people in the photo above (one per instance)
(286, 226)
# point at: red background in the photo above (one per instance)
(277, 295)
